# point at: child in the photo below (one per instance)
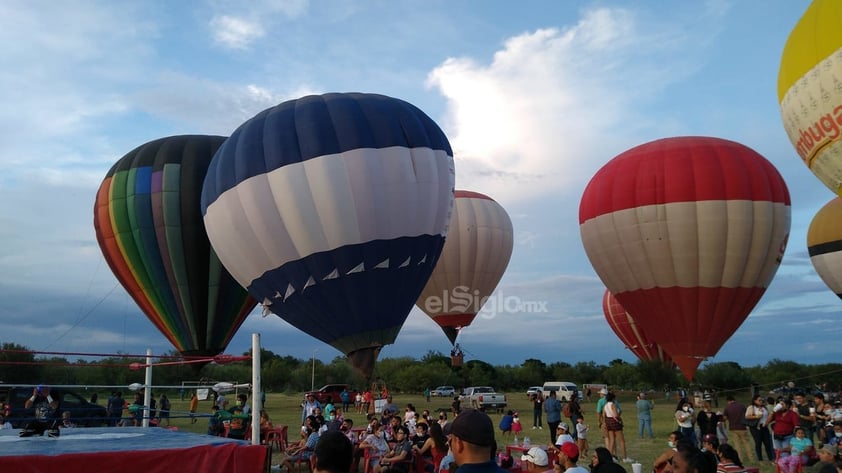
(506, 422)
(516, 427)
(798, 446)
(582, 436)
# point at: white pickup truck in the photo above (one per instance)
(483, 397)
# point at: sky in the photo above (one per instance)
(534, 97)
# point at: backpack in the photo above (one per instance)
(566, 410)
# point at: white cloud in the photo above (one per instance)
(533, 120)
(235, 32)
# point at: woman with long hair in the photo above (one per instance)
(757, 419)
(729, 460)
(614, 424)
(685, 420)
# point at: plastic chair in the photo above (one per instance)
(367, 457)
(275, 440)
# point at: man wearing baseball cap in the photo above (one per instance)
(472, 443)
(536, 460)
(568, 455)
(827, 459)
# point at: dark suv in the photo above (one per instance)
(82, 412)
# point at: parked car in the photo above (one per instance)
(564, 390)
(443, 391)
(483, 397)
(532, 391)
(82, 412)
(331, 392)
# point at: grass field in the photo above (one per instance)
(284, 409)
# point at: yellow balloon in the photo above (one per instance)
(810, 90)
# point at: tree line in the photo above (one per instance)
(287, 374)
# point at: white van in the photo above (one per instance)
(564, 390)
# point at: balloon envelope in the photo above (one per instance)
(332, 210)
(810, 93)
(687, 233)
(627, 330)
(149, 227)
(824, 243)
(475, 255)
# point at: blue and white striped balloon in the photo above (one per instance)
(332, 210)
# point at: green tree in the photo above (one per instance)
(725, 375)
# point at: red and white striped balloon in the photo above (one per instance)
(687, 233)
(629, 332)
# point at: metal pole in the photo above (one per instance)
(313, 375)
(256, 389)
(147, 391)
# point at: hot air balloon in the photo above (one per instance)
(474, 258)
(810, 90)
(148, 224)
(687, 233)
(824, 243)
(627, 330)
(332, 211)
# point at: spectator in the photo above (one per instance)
(707, 420)
(757, 419)
(333, 453)
(390, 406)
(299, 451)
(784, 420)
(603, 462)
(552, 407)
(345, 396)
(358, 403)
(644, 416)
(734, 417)
(421, 437)
(456, 406)
(397, 460)
(44, 407)
(194, 405)
(309, 406)
(806, 412)
(729, 460)
(800, 447)
(573, 411)
(3, 424)
(347, 428)
(114, 408)
(710, 443)
(435, 447)
(665, 458)
(265, 425)
(567, 459)
(472, 442)
(535, 460)
(136, 410)
(506, 423)
(582, 436)
(600, 404)
(239, 424)
(684, 419)
(215, 425)
(537, 410)
(614, 424)
(376, 443)
(827, 459)
(66, 421)
(689, 459)
(164, 406)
